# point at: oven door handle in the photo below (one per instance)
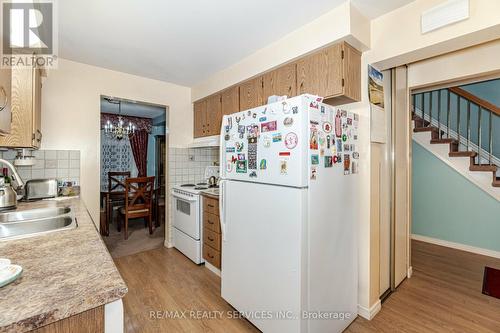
(184, 198)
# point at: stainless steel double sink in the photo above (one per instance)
(34, 222)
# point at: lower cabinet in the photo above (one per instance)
(212, 237)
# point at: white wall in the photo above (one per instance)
(342, 23)
(71, 114)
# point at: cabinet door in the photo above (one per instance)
(312, 74)
(5, 100)
(37, 108)
(334, 71)
(214, 115)
(231, 100)
(281, 81)
(352, 72)
(21, 132)
(200, 112)
(251, 93)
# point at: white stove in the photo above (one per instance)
(187, 217)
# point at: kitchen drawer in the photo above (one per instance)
(211, 255)
(211, 238)
(211, 222)
(211, 205)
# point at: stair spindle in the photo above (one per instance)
(468, 124)
(430, 108)
(423, 112)
(458, 121)
(490, 137)
(448, 120)
(479, 135)
(439, 114)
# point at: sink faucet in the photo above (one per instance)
(16, 178)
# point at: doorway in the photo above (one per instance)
(133, 151)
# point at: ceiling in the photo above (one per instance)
(184, 41)
(129, 108)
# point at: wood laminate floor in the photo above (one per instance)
(139, 239)
(444, 295)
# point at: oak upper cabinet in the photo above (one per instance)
(214, 114)
(25, 103)
(281, 81)
(200, 116)
(251, 93)
(230, 100)
(333, 73)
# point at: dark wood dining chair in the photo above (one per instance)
(116, 192)
(138, 202)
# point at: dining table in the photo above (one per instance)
(106, 199)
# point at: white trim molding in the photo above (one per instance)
(212, 268)
(371, 312)
(457, 246)
(410, 272)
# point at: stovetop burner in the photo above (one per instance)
(201, 188)
(188, 185)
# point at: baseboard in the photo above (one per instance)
(371, 312)
(458, 246)
(212, 268)
(410, 272)
(167, 244)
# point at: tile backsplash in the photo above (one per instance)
(64, 165)
(187, 165)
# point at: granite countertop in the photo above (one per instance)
(64, 273)
(211, 192)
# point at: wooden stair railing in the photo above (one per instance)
(440, 133)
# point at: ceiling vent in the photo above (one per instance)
(449, 12)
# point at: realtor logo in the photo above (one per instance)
(28, 34)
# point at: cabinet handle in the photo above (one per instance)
(210, 205)
(6, 99)
(41, 135)
(210, 239)
(210, 222)
(210, 256)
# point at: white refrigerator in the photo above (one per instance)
(288, 208)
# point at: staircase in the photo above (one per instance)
(464, 122)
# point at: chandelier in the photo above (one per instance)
(118, 130)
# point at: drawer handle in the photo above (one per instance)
(210, 256)
(210, 222)
(211, 206)
(210, 239)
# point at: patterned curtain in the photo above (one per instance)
(139, 145)
(116, 155)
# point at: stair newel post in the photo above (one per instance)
(490, 137)
(430, 108)
(468, 124)
(439, 114)
(458, 121)
(448, 119)
(479, 135)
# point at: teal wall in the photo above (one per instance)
(487, 90)
(156, 130)
(447, 206)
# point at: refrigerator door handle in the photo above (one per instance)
(222, 209)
